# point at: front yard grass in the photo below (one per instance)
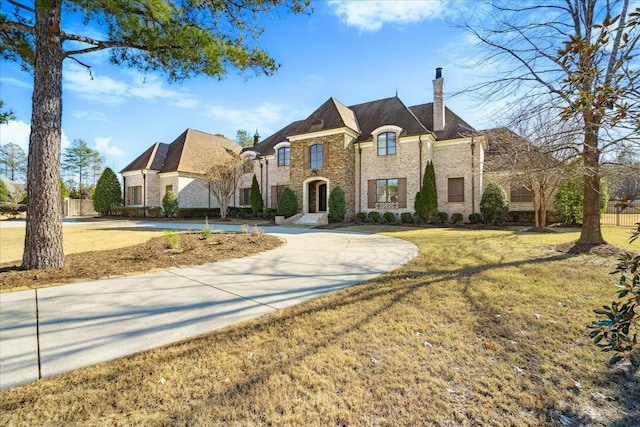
(484, 327)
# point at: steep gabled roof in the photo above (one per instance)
(153, 158)
(388, 111)
(266, 146)
(330, 115)
(193, 151)
(455, 127)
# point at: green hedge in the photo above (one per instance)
(197, 213)
(530, 217)
(137, 212)
(12, 210)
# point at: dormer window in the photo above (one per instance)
(386, 144)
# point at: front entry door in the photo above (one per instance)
(322, 198)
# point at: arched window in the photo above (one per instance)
(386, 144)
(284, 156)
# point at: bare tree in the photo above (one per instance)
(222, 177)
(577, 56)
(532, 155)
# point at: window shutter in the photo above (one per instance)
(274, 196)
(305, 157)
(371, 194)
(402, 193)
(325, 155)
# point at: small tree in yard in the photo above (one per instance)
(494, 204)
(257, 204)
(223, 178)
(426, 203)
(337, 205)
(108, 193)
(4, 192)
(287, 203)
(169, 203)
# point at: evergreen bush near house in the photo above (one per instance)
(494, 204)
(389, 217)
(108, 193)
(456, 218)
(170, 203)
(4, 192)
(475, 218)
(361, 217)
(337, 205)
(426, 203)
(569, 200)
(197, 212)
(287, 203)
(257, 204)
(406, 218)
(374, 216)
(441, 218)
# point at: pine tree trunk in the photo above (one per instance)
(591, 233)
(43, 240)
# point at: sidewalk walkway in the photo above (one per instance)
(86, 323)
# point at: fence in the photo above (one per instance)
(77, 207)
(622, 218)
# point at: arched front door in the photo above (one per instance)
(315, 195)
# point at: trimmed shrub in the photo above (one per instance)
(12, 210)
(406, 218)
(108, 192)
(457, 218)
(494, 204)
(361, 217)
(389, 217)
(287, 203)
(374, 216)
(475, 218)
(170, 203)
(337, 205)
(270, 213)
(197, 213)
(426, 203)
(441, 218)
(569, 200)
(239, 212)
(255, 198)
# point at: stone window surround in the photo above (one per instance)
(277, 147)
(384, 129)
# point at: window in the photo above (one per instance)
(520, 194)
(386, 144)
(245, 196)
(135, 195)
(168, 188)
(455, 189)
(387, 191)
(276, 191)
(247, 164)
(315, 154)
(284, 156)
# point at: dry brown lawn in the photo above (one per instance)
(482, 328)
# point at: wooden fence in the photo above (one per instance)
(622, 218)
(77, 207)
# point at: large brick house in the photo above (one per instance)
(377, 152)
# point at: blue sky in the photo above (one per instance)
(353, 51)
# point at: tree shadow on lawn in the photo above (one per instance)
(391, 289)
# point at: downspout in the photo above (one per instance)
(359, 178)
(265, 190)
(419, 161)
(473, 177)
(144, 192)
(124, 186)
(261, 174)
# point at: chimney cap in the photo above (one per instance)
(439, 73)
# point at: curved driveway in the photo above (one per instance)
(86, 323)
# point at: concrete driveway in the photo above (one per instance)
(58, 329)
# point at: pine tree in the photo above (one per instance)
(337, 205)
(426, 203)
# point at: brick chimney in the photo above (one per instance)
(438, 101)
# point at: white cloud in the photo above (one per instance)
(16, 82)
(265, 116)
(370, 16)
(99, 88)
(102, 145)
(96, 116)
(18, 132)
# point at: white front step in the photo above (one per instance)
(312, 219)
